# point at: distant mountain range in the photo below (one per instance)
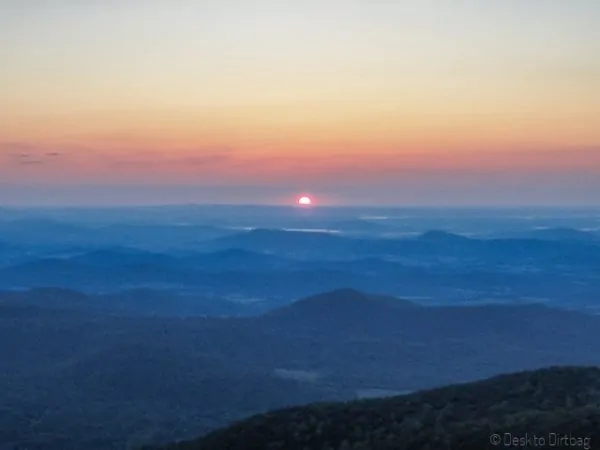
(430, 248)
(561, 234)
(45, 235)
(122, 327)
(52, 235)
(278, 266)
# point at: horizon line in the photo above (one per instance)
(295, 207)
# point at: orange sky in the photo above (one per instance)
(297, 93)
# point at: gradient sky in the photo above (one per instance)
(398, 102)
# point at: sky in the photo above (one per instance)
(445, 102)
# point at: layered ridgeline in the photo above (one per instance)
(549, 408)
(75, 378)
(557, 266)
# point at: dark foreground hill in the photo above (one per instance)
(550, 408)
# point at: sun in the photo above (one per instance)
(305, 201)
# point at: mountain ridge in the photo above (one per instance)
(469, 416)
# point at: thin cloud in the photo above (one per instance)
(26, 154)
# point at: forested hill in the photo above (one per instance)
(560, 405)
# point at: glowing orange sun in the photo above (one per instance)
(305, 201)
